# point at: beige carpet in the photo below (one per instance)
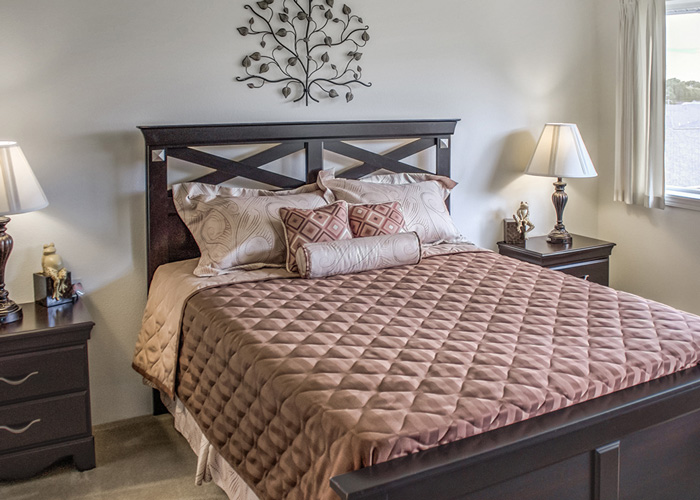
(138, 459)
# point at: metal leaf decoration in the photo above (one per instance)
(306, 35)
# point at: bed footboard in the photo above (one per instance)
(643, 442)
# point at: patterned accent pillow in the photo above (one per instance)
(329, 223)
(376, 219)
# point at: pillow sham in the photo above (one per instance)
(376, 219)
(423, 202)
(328, 223)
(318, 260)
(239, 228)
(446, 184)
(210, 191)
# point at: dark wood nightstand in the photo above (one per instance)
(44, 390)
(585, 257)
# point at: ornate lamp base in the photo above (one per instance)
(9, 311)
(559, 235)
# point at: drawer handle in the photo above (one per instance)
(21, 430)
(20, 381)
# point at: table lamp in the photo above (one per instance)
(560, 153)
(19, 193)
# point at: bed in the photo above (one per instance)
(638, 442)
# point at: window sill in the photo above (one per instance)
(681, 199)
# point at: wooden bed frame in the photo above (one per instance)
(639, 443)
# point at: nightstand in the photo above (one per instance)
(44, 390)
(586, 258)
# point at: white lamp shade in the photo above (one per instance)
(19, 190)
(560, 152)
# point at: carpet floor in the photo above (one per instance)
(142, 458)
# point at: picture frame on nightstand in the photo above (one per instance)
(511, 235)
(44, 291)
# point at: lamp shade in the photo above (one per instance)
(560, 152)
(19, 190)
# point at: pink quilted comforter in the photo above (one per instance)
(295, 381)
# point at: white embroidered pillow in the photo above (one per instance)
(422, 201)
(237, 228)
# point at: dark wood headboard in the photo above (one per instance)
(168, 238)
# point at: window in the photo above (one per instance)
(682, 143)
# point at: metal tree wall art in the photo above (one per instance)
(313, 49)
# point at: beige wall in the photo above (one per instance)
(78, 76)
(657, 250)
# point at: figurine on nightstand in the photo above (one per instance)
(52, 286)
(522, 218)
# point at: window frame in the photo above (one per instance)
(682, 197)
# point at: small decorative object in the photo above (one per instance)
(511, 235)
(559, 153)
(522, 219)
(311, 49)
(52, 286)
(20, 193)
(50, 260)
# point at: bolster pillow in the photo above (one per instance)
(316, 260)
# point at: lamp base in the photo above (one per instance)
(559, 237)
(10, 312)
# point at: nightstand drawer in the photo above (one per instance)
(595, 271)
(26, 424)
(26, 376)
(585, 257)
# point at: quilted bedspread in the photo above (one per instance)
(155, 353)
(296, 381)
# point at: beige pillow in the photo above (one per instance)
(422, 199)
(239, 228)
(446, 184)
(317, 260)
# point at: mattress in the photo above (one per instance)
(295, 381)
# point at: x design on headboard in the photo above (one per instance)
(168, 238)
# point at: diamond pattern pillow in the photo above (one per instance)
(376, 219)
(328, 223)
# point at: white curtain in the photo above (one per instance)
(641, 91)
